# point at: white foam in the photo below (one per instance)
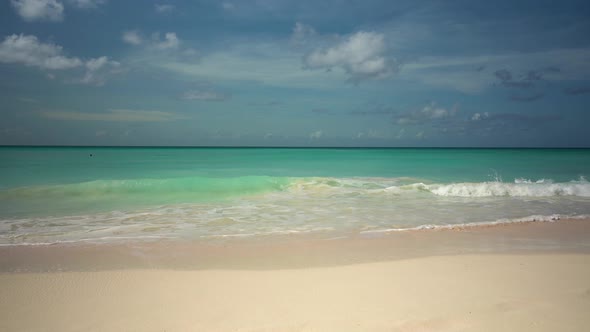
(104, 239)
(521, 188)
(339, 205)
(523, 180)
(499, 222)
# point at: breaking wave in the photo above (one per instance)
(520, 188)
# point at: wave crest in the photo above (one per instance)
(521, 188)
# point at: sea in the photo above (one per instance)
(54, 195)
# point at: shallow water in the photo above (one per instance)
(50, 195)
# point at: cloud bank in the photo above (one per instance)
(29, 51)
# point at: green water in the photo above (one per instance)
(33, 166)
(81, 191)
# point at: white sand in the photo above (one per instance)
(544, 292)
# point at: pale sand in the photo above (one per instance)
(523, 278)
(445, 293)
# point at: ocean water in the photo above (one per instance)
(71, 194)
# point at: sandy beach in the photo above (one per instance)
(445, 287)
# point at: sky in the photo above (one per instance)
(379, 73)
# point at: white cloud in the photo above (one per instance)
(112, 115)
(204, 95)
(480, 116)
(98, 69)
(361, 56)
(96, 64)
(164, 8)
(39, 10)
(29, 51)
(433, 112)
(316, 134)
(132, 37)
(170, 41)
(87, 4)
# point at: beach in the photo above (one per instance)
(390, 283)
(263, 239)
(294, 166)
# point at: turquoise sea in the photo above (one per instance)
(71, 194)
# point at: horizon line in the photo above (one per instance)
(290, 147)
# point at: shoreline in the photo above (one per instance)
(523, 277)
(302, 251)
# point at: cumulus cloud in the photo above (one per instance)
(98, 69)
(170, 41)
(361, 56)
(132, 37)
(164, 8)
(96, 64)
(29, 51)
(112, 115)
(205, 95)
(430, 112)
(39, 10)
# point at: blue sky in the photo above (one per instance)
(295, 73)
